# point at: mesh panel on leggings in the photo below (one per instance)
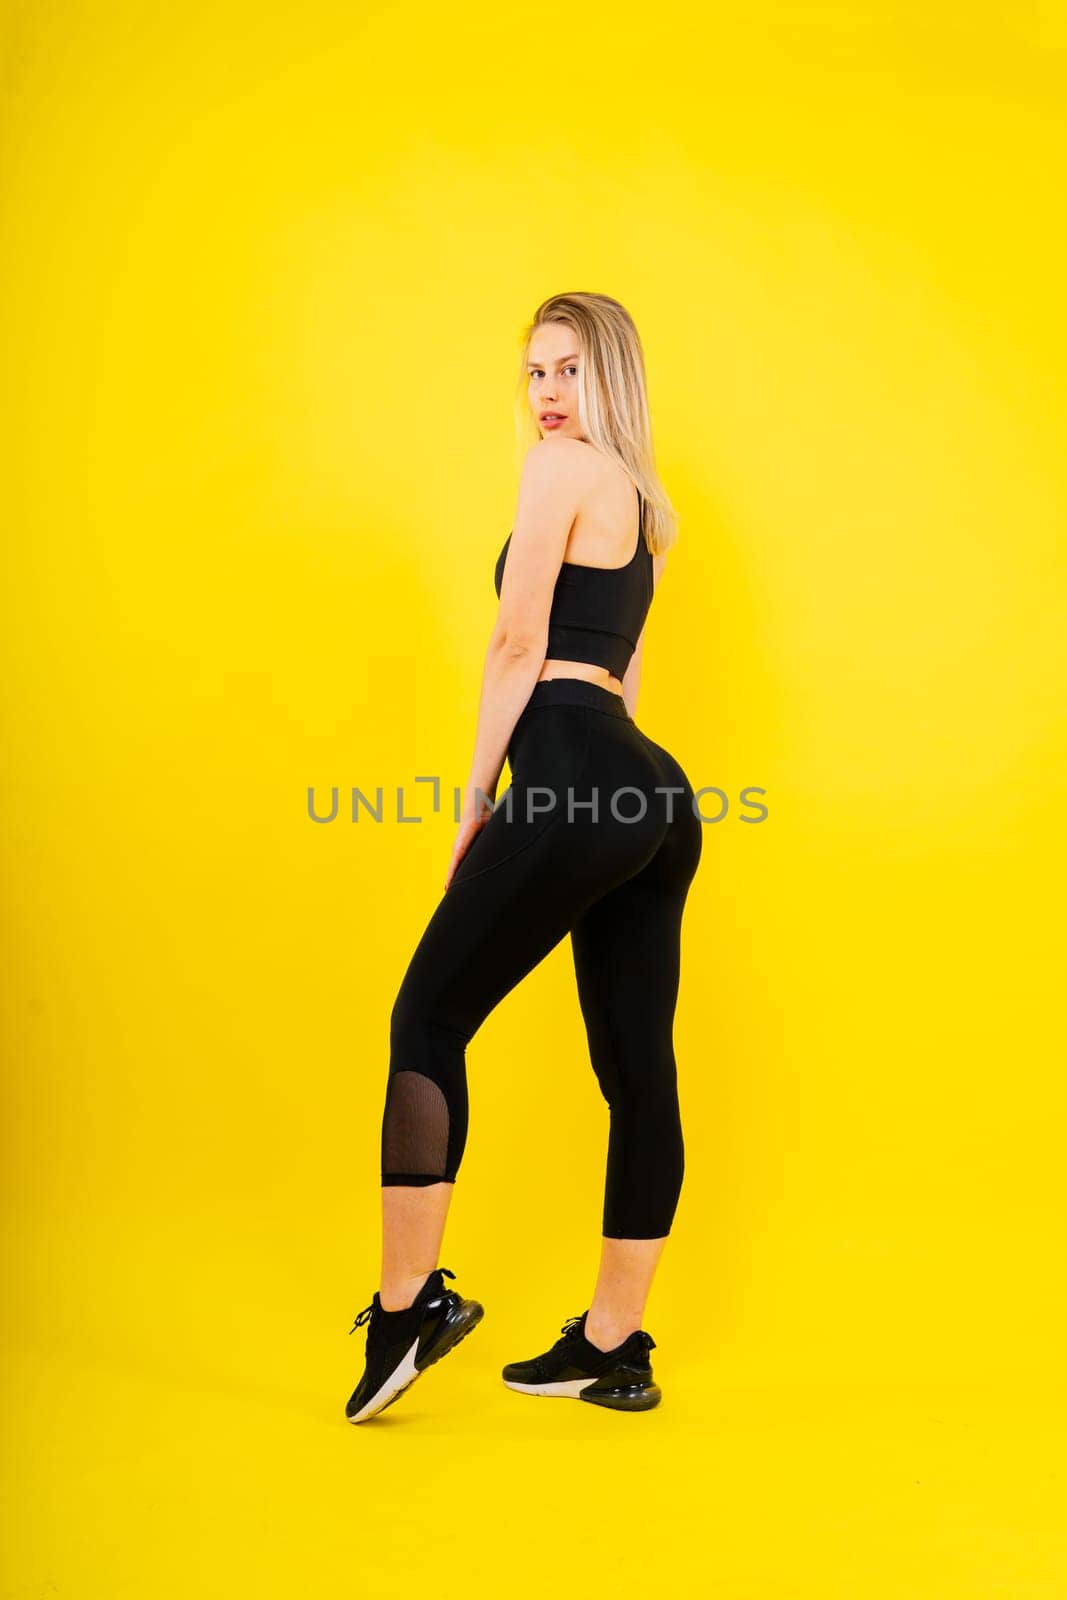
(415, 1125)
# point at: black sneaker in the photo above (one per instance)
(401, 1344)
(574, 1368)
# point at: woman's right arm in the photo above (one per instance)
(549, 493)
(508, 676)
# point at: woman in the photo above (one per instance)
(598, 836)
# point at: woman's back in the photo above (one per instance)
(598, 612)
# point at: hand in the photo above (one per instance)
(476, 813)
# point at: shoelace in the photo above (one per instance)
(572, 1329)
(367, 1312)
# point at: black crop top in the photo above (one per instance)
(597, 612)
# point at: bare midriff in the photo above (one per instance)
(580, 669)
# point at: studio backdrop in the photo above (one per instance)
(265, 269)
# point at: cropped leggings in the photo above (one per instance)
(598, 837)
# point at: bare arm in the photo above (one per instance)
(508, 676)
(550, 486)
(549, 492)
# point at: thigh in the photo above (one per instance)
(550, 754)
(627, 943)
(516, 892)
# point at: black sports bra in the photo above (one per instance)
(597, 612)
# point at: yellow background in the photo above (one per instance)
(264, 272)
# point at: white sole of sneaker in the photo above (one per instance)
(568, 1390)
(404, 1373)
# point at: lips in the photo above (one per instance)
(553, 416)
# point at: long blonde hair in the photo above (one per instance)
(612, 398)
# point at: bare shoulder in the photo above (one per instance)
(571, 463)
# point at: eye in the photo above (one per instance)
(570, 369)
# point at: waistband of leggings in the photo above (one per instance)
(577, 692)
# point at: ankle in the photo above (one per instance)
(398, 1294)
(606, 1334)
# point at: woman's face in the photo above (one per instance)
(552, 363)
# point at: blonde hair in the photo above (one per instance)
(612, 398)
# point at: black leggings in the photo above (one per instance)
(560, 854)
